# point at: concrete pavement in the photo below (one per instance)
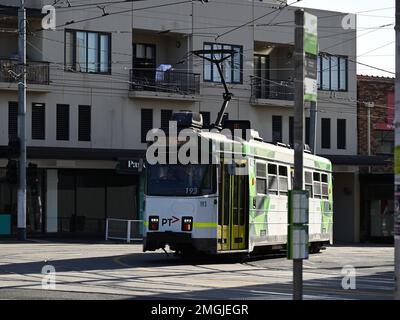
(122, 271)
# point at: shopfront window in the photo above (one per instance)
(381, 214)
(86, 199)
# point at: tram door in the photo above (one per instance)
(232, 215)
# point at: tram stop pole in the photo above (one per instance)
(306, 52)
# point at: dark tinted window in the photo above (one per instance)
(84, 125)
(341, 134)
(13, 119)
(147, 122)
(326, 133)
(63, 122)
(38, 121)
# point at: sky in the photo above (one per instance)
(375, 46)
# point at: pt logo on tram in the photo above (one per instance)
(169, 221)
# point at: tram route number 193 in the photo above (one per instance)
(191, 191)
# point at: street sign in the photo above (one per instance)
(297, 242)
(298, 207)
(311, 57)
(298, 218)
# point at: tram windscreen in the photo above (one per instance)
(180, 180)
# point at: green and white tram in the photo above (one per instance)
(211, 209)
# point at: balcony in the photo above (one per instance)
(36, 72)
(172, 84)
(272, 92)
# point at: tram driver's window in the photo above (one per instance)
(272, 179)
(261, 178)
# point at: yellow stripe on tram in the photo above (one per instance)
(205, 225)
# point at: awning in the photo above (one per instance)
(359, 160)
(78, 153)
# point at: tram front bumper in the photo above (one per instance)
(177, 241)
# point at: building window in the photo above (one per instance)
(38, 121)
(332, 72)
(12, 120)
(384, 141)
(291, 131)
(166, 116)
(276, 129)
(341, 134)
(326, 133)
(232, 67)
(63, 122)
(147, 123)
(144, 56)
(84, 123)
(308, 131)
(206, 119)
(88, 52)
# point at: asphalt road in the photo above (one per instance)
(121, 271)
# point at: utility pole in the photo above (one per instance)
(306, 90)
(397, 159)
(21, 231)
(298, 136)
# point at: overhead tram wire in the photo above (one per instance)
(120, 12)
(256, 19)
(106, 3)
(376, 49)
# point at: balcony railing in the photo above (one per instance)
(272, 89)
(171, 81)
(36, 72)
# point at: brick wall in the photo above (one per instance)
(376, 90)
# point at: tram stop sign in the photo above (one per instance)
(298, 214)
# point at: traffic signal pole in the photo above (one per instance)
(21, 225)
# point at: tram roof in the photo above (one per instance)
(269, 150)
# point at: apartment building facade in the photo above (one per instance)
(107, 75)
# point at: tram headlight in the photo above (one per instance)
(187, 223)
(154, 223)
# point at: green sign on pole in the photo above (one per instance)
(311, 57)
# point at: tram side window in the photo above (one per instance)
(272, 179)
(309, 183)
(324, 186)
(317, 185)
(261, 178)
(283, 180)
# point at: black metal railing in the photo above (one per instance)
(171, 81)
(37, 72)
(272, 89)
